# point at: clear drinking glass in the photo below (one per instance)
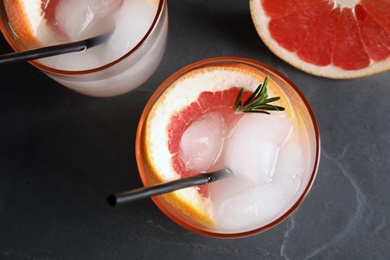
(210, 213)
(113, 74)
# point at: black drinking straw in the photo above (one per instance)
(146, 192)
(54, 50)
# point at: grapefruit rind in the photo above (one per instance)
(261, 21)
(181, 94)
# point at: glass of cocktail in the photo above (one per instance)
(138, 34)
(191, 125)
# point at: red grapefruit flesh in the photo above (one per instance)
(335, 39)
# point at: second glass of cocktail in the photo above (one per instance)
(199, 120)
(131, 54)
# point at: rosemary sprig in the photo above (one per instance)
(258, 102)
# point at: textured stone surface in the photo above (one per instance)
(62, 153)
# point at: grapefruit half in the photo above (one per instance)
(208, 89)
(328, 38)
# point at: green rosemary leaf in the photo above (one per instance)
(258, 112)
(270, 100)
(268, 107)
(258, 101)
(265, 85)
(237, 104)
(253, 95)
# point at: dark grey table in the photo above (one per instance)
(62, 153)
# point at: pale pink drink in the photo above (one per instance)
(125, 61)
(189, 127)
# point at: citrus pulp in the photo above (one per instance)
(334, 39)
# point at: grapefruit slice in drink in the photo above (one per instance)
(36, 23)
(181, 100)
(334, 39)
(25, 18)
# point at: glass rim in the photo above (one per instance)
(227, 60)
(5, 28)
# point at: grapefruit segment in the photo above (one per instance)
(349, 53)
(320, 53)
(379, 11)
(334, 39)
(374, 36)
(291, 29)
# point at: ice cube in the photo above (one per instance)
(251, 208)
(133, 19)
(290, 169)
(85, 18)
(222, 189)
(104, 8)
(254, 144)
(202, 141)
(275, 128)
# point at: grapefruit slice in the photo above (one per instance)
(45, 22)
(27, 20)
(211, 89)
(328, 38)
